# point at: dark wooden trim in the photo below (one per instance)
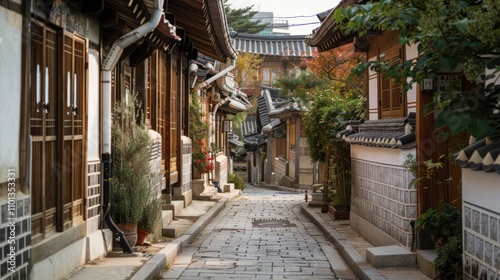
(24, 155)
(16, 7)
(424, 128)
(60, 132)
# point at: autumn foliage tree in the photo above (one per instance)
(325, 72)
(336, 64)
(247, 70)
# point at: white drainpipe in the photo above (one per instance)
(218, 75)
(107, 66)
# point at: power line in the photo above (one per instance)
(286, 17)
(290, 25)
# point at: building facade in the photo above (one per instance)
(65, 63)
(383, 202)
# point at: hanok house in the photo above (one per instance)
(277, 151)
(383, 204)
(63, 64)
(220, 99)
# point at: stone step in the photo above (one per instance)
(170, 231)
(425, 261)
(177, 227)
(167, 216)
(175, 205)
(229, 187)
(390, 256)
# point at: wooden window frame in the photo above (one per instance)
(271, 77)
(392, 99)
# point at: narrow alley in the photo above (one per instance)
(260, 235)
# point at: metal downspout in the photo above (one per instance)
(108, 65)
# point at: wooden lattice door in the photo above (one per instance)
(72, 112)
(43, 131)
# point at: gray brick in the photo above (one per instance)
(467, 217)
(488, 253)
(485, 225)
(494, 228)
(476, 219)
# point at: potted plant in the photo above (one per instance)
(129, 183)
(149, 219)
(339, 180)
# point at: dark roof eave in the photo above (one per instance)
(326, 37)
(213, 40)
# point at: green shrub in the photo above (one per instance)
(448, 263)
(236, 180)
(442, 223)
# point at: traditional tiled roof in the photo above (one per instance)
(482, 155)
(205, 67)
(289, 109)
(249, 126)
(326, 36)
(234, 140)
(289, 46)
(385, 133)
(235, 102)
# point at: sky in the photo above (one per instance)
(290, 8)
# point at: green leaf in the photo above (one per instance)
(402, 40)
(463, 25)
(493, 63)
(480, 128)
(448, 63)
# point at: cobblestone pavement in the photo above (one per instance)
(260, 235)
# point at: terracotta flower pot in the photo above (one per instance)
(141, 236)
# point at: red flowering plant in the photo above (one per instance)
(198, 131)
(201, 160)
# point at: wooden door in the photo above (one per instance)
(43, 131)
(72, 156)
(173, 117)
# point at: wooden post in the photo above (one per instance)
(324, 205)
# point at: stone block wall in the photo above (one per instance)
(382, 198)
(186, 163)
(93, 196)
(15, 236)
(481, 242)
(306, 170)
(221, 168)
(481, 224)
(280, 166)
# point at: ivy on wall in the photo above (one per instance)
(198, 131)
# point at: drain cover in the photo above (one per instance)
(272, 223)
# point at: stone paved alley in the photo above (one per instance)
(260, 235)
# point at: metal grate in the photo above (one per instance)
(272, 223)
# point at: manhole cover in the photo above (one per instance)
(272, 223)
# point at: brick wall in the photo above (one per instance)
(380, 196)
(93, 196)
(481, 242)
(15, 239)
(481, 224)
(186, 163)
